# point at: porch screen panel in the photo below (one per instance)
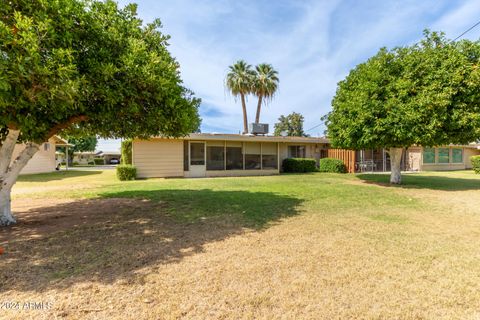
(215, 155)
(269, 156)
(197, 154)
(234, 156)
(428, 155)
(252, 156)
(457, 155)
(443, 155)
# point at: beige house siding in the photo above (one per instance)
(466, 164)
(43, 161)
(158, 158)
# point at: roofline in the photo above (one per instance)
(244, 137)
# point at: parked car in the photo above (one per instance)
(114, 161)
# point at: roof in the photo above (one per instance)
(253, 138)
(60, 141)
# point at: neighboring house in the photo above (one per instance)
(83, 158)
(109, 156)
(210, 155)
(44, 160)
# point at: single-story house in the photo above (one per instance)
(212, 155)
(44, 160)
(108, 156)
(83, 158)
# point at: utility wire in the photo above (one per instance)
(468, 30)
(318, 125)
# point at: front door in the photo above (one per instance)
(197, 159)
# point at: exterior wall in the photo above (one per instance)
(83, 159)
(158, 158)
(414, 159)
(312, 150)
(466, 164)
(43, 161)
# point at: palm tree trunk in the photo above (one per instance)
(259, 108)
(245, 120)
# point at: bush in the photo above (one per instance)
(126, 152)
(75, 163)
(91, 163)
(332, 165)
(299, 165)
(126, 172)
(99, 161)
(475, 163)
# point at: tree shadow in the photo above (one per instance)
(57, 175)
(416, 181)
(111, 238)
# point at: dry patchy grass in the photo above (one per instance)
(318, 246)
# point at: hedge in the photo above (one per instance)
(299, 165)
(126, 152)
(475, 163)
(126, 172)
(99, 161)
(332, 165)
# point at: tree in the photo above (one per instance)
(426, 94)
(292, 125)
(88, 64)
(265, 85)
(239, 82)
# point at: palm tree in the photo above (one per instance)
(265, 85)
(239, 81)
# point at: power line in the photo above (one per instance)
(468, 30)
(318, 125)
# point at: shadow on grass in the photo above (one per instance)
(110, 238)
(57, 175)
(424, 182)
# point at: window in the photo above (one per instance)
(46, 146)
(215, 155)
(443, 155)
(457, 155)
(252, 156)
(185, 155)
(428, 155)
(269, 156)
(197, 153)
(296, 151)
(234, 156)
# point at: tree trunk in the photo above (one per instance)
(245, 120)
(395, 161)
(9, 176)
(259, 108)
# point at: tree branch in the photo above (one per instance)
(60, 126)
(6, 150)
(20, 162)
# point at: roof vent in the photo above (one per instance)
(258, 128)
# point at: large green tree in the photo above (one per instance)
(291, 125)
(265, 85)
(239, 82)
(80, 143)
(88, 64)
(425, 94)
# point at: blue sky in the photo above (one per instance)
(313, 44)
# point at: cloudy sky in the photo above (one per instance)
(313, 44)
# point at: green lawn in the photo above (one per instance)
(294, 246)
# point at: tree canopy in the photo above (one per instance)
(426, 94)
(291, 124)
(92, 64)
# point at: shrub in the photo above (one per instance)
(299, 165)
(91, 163)
(99, 161)
(75, 163)
(475, 163)
(332, 165)
(126, 152)
(126, 172)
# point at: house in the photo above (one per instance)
(109, 156)
(212, 155)
(83, 158)
(44, 160)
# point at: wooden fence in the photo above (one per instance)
(347, 156)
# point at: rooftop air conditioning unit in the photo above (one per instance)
(258, 128)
